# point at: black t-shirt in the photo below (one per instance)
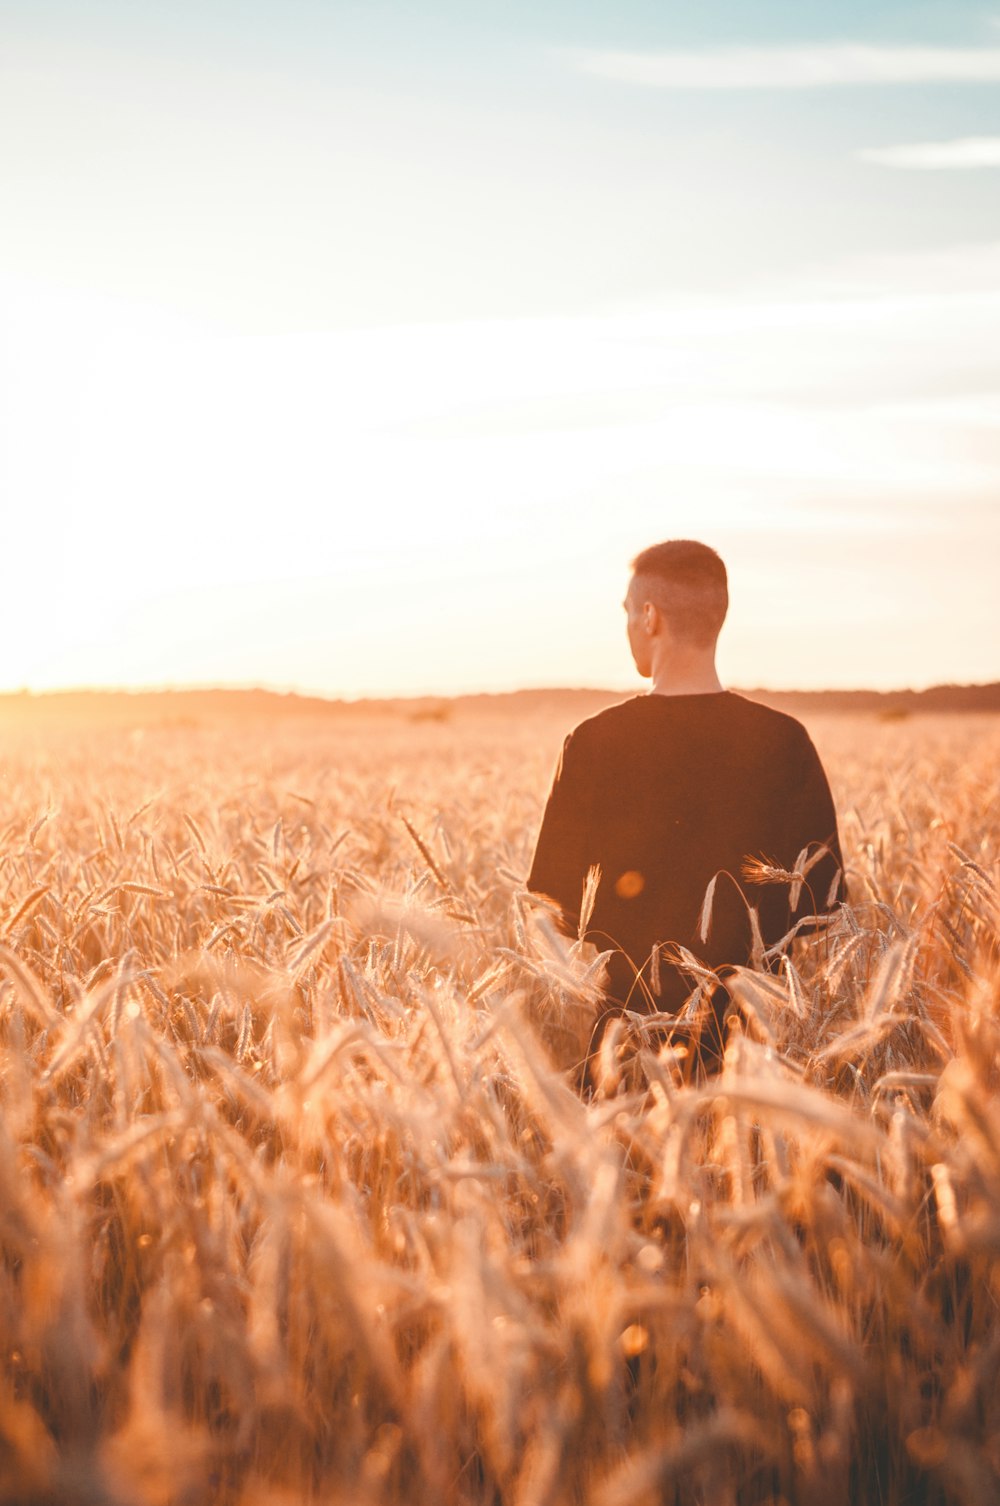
(664, 793)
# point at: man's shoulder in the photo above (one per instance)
(782, 723)
(728, 706)
(610, 720)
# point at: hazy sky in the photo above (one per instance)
(357, 347)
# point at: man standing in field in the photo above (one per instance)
(685, 800)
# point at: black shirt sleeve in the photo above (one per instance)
(812, 830)
(560, 863)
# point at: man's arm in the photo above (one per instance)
(560, 864)
(812, 826)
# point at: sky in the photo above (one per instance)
(357, 348)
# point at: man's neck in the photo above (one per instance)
(675, 685)
(693, 674)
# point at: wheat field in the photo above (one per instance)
(299, 1201)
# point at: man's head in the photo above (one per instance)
(678, 592)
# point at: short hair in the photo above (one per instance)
(687, 582)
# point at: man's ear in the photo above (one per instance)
(650, 619)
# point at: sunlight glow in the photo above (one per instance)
(362, 359)
(288, 509)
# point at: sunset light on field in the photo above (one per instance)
(499, 752)
(357, 349)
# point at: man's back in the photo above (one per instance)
(663, 793)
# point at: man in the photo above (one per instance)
(683, 798)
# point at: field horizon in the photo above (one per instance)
(168, 703)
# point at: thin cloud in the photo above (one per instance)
(824, 66)
(932, 156)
